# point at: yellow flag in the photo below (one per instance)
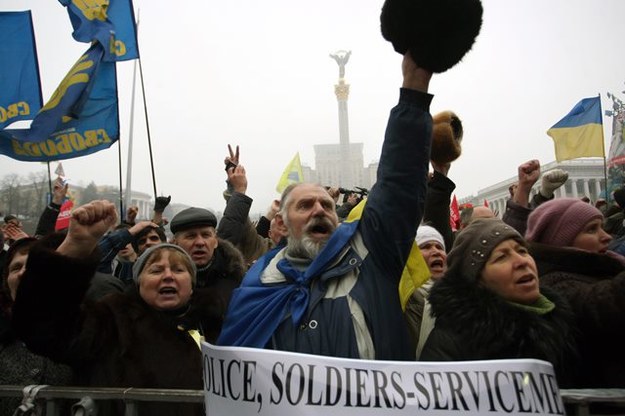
(415, 272)
(292, 174)
(580, 132)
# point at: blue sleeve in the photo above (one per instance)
(109, 246)
(395, 205)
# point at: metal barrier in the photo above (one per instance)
(87, 397)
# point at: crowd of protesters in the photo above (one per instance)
(113, 304)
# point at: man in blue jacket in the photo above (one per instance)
(333, 290)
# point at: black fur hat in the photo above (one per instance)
(438, 33)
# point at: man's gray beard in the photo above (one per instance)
(304, 247)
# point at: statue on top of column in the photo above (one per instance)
(341, 58)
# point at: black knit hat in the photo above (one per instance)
(438, 33)
(475, 243)
(192, 217)
(619, 197)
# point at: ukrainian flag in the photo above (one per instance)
(580, 132)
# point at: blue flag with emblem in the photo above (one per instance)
(20, 96)
(109, 22)
(80, 118)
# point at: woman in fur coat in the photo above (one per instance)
(571, 251)
(489, 306)
(146, 337)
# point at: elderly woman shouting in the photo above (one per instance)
(141, 338)
(489, 306)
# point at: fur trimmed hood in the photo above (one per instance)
(491, 328)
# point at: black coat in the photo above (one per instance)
(473, 323)
(118, 341)
(594, 285)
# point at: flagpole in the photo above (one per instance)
(128, 197)
(147, 125)
(49, 180)
(119, 164)
(605, 165)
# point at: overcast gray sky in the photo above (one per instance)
(258, 74)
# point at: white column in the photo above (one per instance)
(574, 188)
(586, 188)
(598, 187)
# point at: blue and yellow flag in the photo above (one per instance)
(292, 174)
(81, 117)
(416, 271)
(580, 132)
(110, 22)
(20, 91)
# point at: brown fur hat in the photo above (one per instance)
(446, 137)
(438, 33)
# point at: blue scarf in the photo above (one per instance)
(256, 309)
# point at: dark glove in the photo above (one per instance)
(161, 203)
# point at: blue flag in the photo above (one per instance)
(81, 117)
(20, 96)
(580, 132)
(109, 22)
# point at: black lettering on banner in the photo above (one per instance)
(207, 369)
(474, 389)
(435, 380)
(300, 387)
(311, 386)
(329, 385)
(361, 388)
(420, 385)
(249, 369)
(398, 389)
(555, 393)
(541, 393)
(498, 390)
(380, 382)
(213, 377)
(489, 390)
(517, 379)
(223, 377)
(230, 390)
(348, 388)
(455, 388)
(277, 382)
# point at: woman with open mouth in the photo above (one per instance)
(489, 305)
(145, 337)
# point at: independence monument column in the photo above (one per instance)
(342, 93)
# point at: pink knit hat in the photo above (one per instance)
(559, 221)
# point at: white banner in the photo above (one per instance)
(247, 381)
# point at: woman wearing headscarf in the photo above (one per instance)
(489, 306)
(18, 365)
(571, 251)
(143, 338)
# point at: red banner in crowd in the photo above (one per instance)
(62, 221)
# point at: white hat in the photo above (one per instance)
(426, 233)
